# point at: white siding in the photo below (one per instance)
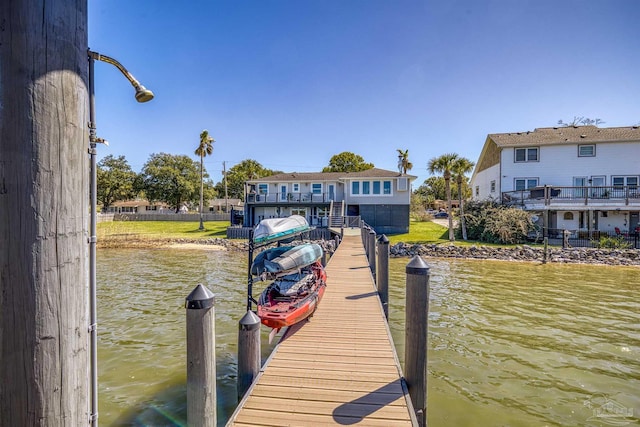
(483, 181)
(560, 163)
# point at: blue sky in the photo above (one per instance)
(291, 83)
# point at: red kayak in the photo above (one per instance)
(293, 297)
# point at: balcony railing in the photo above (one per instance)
(587, 195)
(293, 198)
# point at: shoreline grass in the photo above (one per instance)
(158, 233)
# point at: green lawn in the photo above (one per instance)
(422, 232)
(419, 232)
(155, 229)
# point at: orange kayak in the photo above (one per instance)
(292, 298)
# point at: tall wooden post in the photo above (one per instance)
(415, 339)
(201, 357)
(44, 215)
(383, 273)
(372, 252)
(248, 351)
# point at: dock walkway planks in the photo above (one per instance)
(339, 368)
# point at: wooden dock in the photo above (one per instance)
(339, 368)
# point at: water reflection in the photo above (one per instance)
(509, 343)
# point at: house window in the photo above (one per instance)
(366, 187)
(621, 181)
(376, 187)
(386, 187)
(301, 212)
(355, 187)
(403, 184)
(316, 188)
(295, 187)
(526, 154)
(586, 150)
(493, 186)
(263, 188)
(568, 216)
(525, 183)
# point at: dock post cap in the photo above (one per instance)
(200, 297)
(417, 266)
(383, 240)
(249, 322)
(372, 231)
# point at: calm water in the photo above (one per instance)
(510, 344)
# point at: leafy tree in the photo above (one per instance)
(461, 167)
(204, 148)
(433, 188)
(347, 162)
(403, 161)
(172, 179)
(115, 180)
(444, 165)
(581, 120)
(238, 174)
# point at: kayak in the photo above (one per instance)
(279, 260)
(293, 297)
(274, 229)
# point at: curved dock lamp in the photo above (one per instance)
(142, 95)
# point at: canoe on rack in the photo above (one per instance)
(276, 261)
(274, 229)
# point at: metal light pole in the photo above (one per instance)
(142, 95)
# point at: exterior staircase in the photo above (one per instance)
(336, 218)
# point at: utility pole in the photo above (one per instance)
(224, 172)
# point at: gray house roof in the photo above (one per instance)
(564, 135)
(330, 176)
(490, 154)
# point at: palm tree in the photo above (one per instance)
(204, 149)
(403, 161)
(461, 167)
(444, 165)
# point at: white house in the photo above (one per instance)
(379, 197)
(579, 178)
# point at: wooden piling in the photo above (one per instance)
(44, 214)
(201, 358)
(372, 252)
(417, 311)
(248, 351)
(383, 273)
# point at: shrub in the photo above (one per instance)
(421, 216)
(489, 222)
(615, 242)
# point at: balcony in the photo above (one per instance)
(291, 198)
(556, 197)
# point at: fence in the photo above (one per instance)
(593, 238)
(313, 234)
(163, 217)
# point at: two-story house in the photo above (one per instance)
(578, 178)
(379, 197)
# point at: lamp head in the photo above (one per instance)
(143, 94)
